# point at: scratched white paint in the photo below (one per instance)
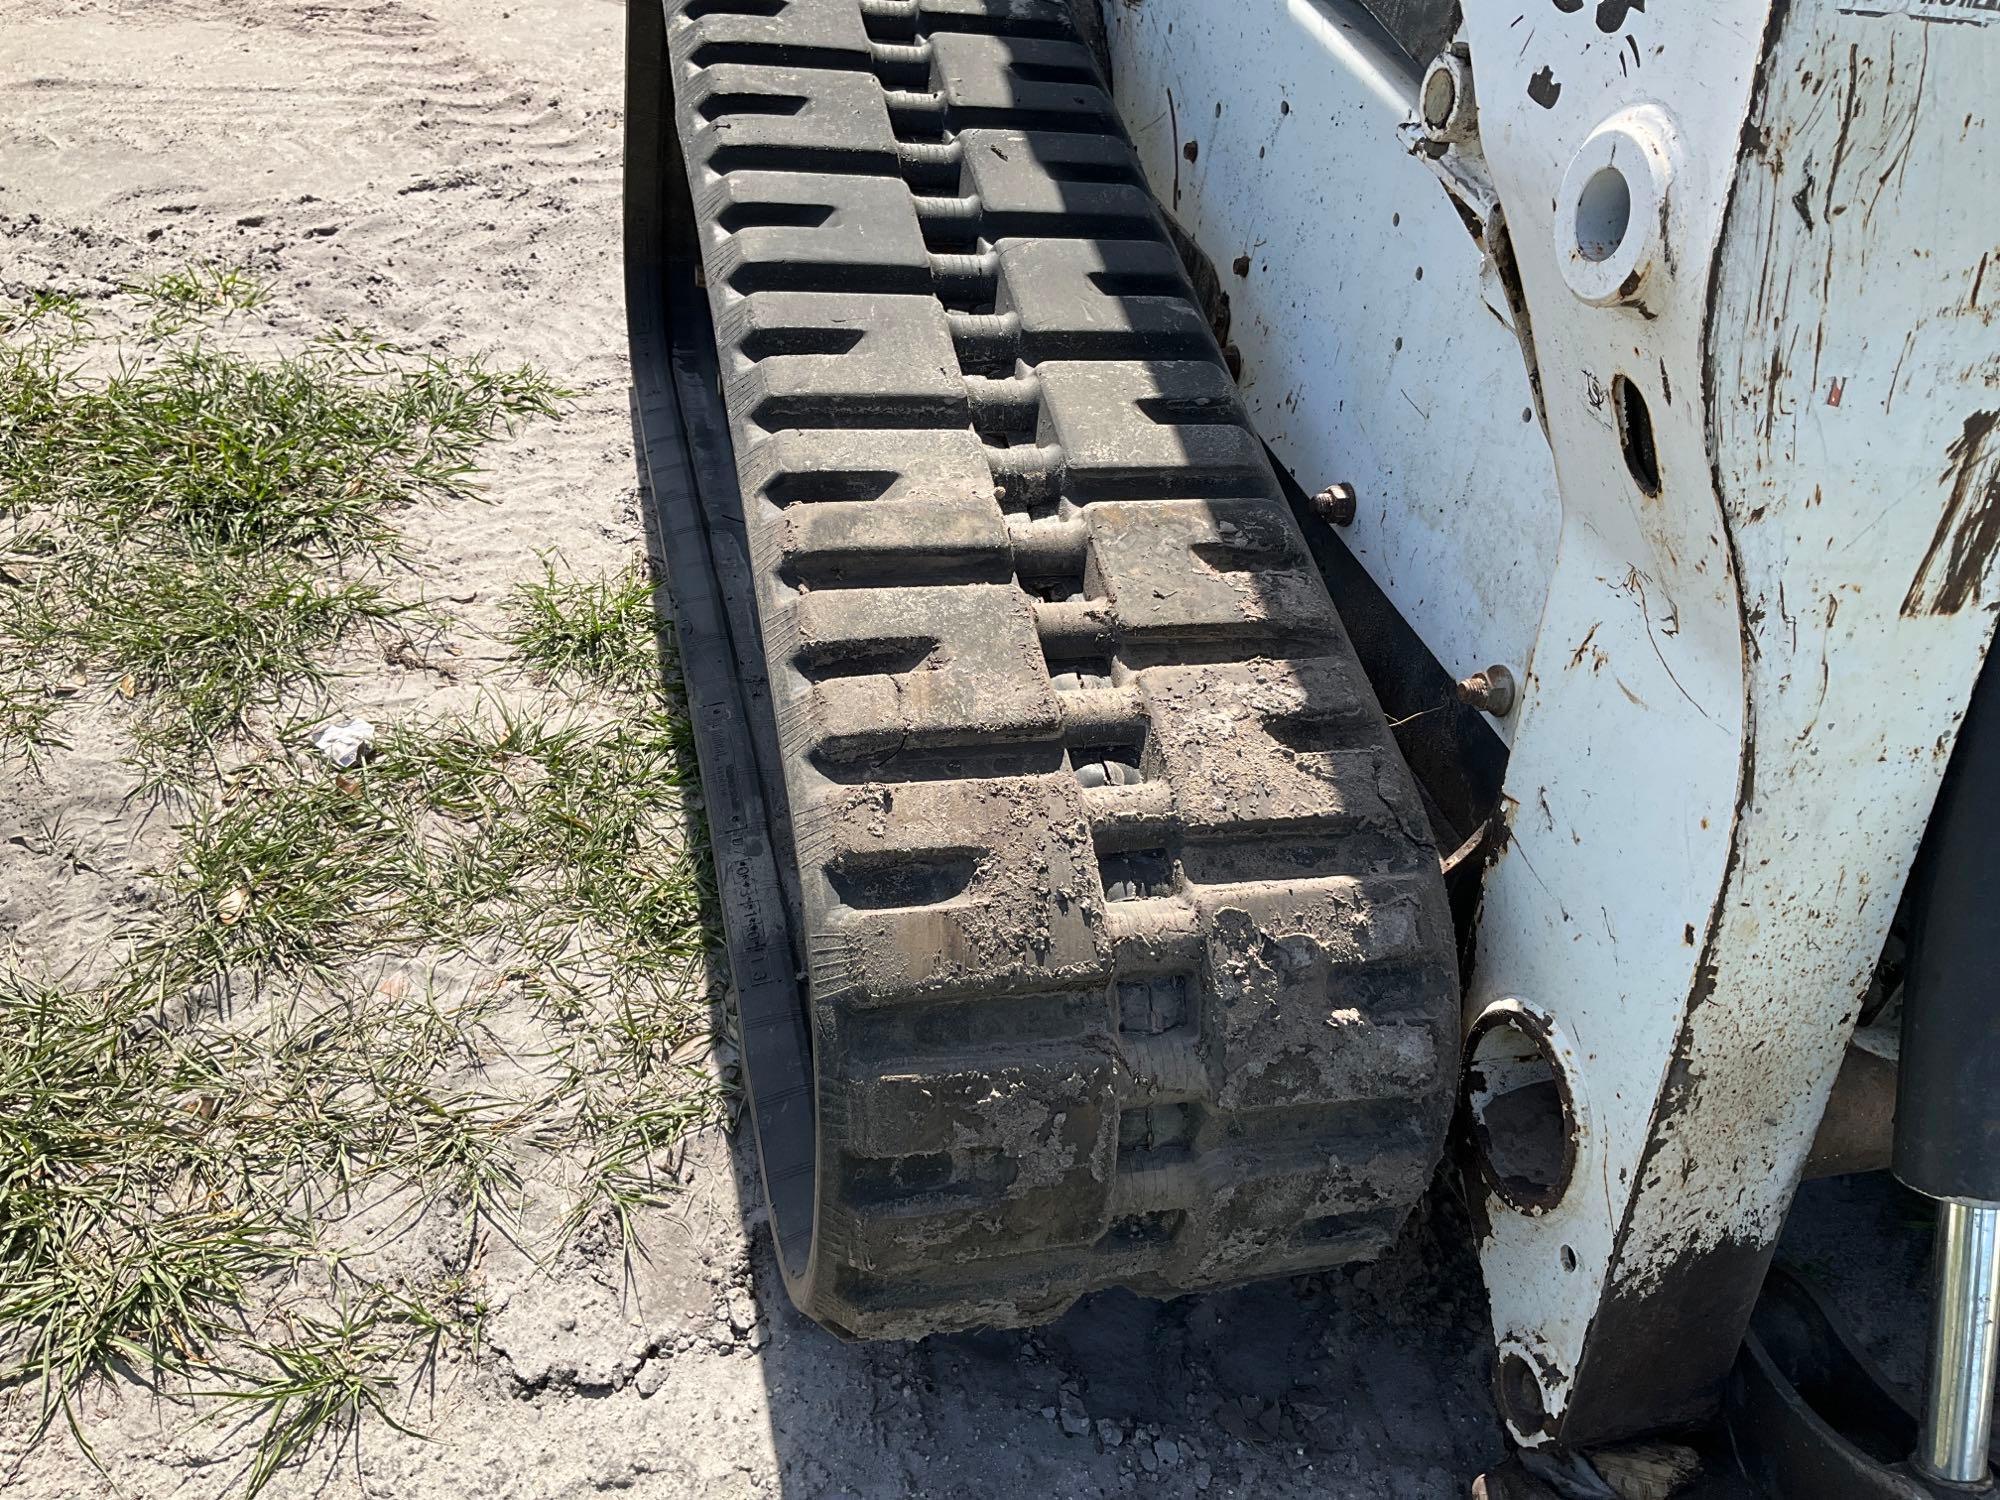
(1741, 638)
(1354, 369)
(1851, 353)
(1624, 773)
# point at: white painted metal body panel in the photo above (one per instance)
(1370, 355)
(1741, 673)
(1850, 369)
(1623, 781)
(1735, 724)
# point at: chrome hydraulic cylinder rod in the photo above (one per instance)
(1965, 1330)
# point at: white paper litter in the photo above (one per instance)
(346, 742)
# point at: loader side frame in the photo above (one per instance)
(1746, 584)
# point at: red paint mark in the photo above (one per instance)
(1835, 389)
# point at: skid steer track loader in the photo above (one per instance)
(1132, 864)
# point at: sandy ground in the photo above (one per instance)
(446, 171)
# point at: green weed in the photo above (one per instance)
(115, 1244)
(561, 836)
(206, 447)
(195, 530)
(202, 525)
(193, 291)
(320, 1382)
(298, 870)
(27, 715)
(598, 632)
(150, 1177)
(43, 326)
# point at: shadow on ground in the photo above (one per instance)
(1368, 1381)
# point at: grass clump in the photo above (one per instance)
(192, 530)
(156, 1173)
(553, 849)
(595, 632)
(317, 1385)
(558, 838)
(27, 713)
(146, 1222)
(193, 291)
(197, 638)
(202, 524)
(51, 320)
(296, 872)
(569, 836)
(307, 452)
(119, 1240)
(330, 1078)
(160, 1184)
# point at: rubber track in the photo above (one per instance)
(1127, 953)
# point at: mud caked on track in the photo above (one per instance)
(1127, 950)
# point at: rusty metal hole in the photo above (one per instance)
(1521, 1395)
(1603, 214)
(1635, 435)
(1523, 1123)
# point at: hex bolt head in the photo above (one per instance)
(1491, 692)
(1336, 505)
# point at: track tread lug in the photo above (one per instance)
(1127, 950)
